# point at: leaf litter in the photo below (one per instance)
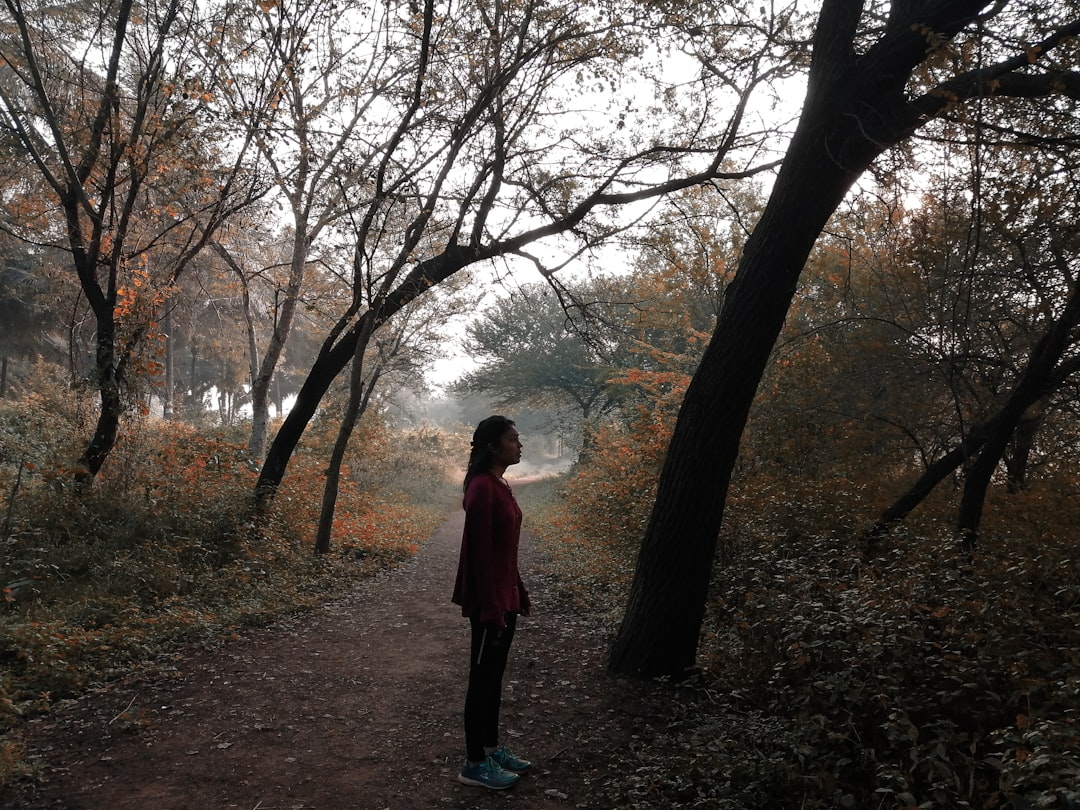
(356, 704)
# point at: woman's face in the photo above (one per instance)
(507, 450)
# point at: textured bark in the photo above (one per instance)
(659, 632)
(108, 423)
(354, 409)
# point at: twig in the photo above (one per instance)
(125, 710)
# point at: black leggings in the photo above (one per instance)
(487, 663)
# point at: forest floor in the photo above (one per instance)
(355, 705)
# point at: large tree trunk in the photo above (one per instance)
(659, 632)
(855, 109)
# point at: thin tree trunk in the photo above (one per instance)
(260, 422)
(976, 484)
(193, 382)
(259, 416)
(335, 354)
(260, 372)
(332, 358)
(108, 424)
(1019, 453)
(1029, 389)
(934, 474)
(261, 380)
(105, 431)
(167, 395)
(353, 409)
(987, 441)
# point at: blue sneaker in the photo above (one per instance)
(487, 774)
(508, 762)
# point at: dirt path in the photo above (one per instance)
(355, 706)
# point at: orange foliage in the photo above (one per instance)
(165, 542)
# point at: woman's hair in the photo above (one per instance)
(487, 433)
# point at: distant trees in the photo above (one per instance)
(294, 178)
(29, 322)
(109, 108)
(544, 350)
(302, 76)
(598, 348)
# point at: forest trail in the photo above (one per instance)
(356, 705)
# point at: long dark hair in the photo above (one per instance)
(487, 433)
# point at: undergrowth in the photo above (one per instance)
(912, 675)
(101, 580)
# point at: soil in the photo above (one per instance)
(355, 705)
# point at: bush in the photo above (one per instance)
(915, 675)
(165, 544)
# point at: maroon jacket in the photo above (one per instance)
(488, 582)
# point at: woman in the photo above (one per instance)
(492, 595)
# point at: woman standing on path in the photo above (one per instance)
(492, 595)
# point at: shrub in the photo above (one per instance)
(165, 544)
(915, 675)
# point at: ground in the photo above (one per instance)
(357, 705)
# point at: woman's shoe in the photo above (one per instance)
(508, 762)
(487, 774)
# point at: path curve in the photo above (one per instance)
(355, 705)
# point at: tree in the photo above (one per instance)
(107, 104)
(543, 350)
(28, 322)
(404, 345)
(1010, 344)
(487, 155)
(311, 63)
(876, 76)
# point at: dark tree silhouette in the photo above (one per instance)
(862, 99)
